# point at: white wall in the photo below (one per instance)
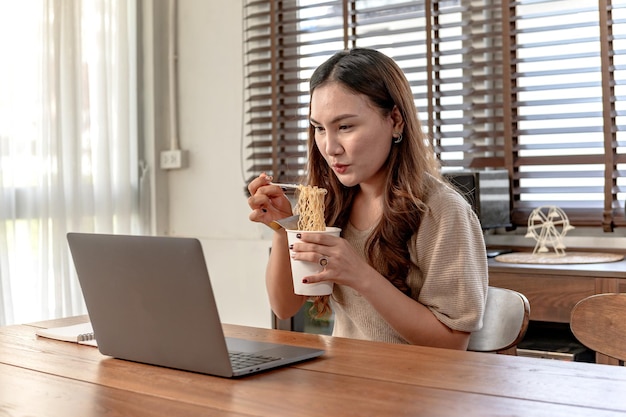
(207, 199)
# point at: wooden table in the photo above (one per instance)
(354, 378)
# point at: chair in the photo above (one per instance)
(599, 323)
(504, 323)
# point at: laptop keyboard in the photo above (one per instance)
(241, 360)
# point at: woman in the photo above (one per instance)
(410, 265)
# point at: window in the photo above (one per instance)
(68, 144)
(536, 87)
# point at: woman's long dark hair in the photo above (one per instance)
(376, 76)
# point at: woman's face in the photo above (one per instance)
(351, 133)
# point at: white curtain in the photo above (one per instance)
(68, 144)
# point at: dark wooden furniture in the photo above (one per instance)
(599, 322)
(554, 290)
(354, 378)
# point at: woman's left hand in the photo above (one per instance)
(342, 266)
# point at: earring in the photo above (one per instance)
(397, 137)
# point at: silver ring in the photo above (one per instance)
(323, 261)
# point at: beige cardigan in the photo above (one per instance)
(451, 278)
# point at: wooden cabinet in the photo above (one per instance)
(553, 290)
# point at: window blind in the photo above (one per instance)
(565, 147)
(536, 87)
(285, 42)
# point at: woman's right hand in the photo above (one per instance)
(268, 202)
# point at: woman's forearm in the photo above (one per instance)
(411, 319)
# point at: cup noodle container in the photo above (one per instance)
(301, 269)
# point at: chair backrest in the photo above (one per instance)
(599, 322)
(504, 323)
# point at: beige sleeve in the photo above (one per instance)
(451, 256)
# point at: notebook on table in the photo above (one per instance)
(150, 300)
(81, 333)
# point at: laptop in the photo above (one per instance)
(150, 300)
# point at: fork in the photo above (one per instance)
(285, 185)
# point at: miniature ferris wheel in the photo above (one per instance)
(548, 226)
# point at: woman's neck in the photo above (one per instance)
(367, 209)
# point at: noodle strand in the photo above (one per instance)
(311, 208)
